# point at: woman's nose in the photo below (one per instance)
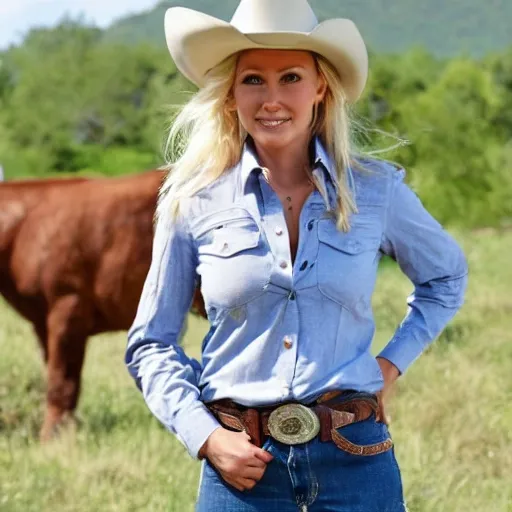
(271, 106)
(272, 99)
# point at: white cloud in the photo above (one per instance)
(18, 16)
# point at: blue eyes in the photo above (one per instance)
(252, 80)
(289, 78)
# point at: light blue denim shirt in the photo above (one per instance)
(282, 331)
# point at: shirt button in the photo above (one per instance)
(292, 296)
(283, 264)
(287, 342)
(304, 265)
(311, 223)
(279, 231)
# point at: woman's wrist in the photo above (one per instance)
(389, 371)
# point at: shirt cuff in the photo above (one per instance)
(402, 352)
(194, 426)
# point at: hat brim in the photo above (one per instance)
(198, 42)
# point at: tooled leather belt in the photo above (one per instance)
(294, 423)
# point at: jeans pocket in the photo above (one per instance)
(267, 445)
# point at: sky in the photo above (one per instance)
(17, 17)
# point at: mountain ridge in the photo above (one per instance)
(443, 28)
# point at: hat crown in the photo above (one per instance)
(261, 16)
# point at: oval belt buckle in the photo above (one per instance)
(293, 424)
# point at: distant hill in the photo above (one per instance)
(444, 27)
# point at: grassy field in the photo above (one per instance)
(451, 413)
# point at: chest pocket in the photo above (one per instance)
(231, 237)
(234, 259)
(347, 262)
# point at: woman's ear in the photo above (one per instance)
(321, 89)
(230, 104)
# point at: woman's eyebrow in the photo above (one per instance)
(298, 66)
(260, 70)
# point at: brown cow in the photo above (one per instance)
(74, 254)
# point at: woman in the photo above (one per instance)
(268, 206)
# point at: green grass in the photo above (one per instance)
(451, 412)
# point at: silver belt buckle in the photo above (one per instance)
(293, 424)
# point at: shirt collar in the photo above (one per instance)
(323, 160)
(249, 161)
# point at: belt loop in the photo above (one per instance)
(251, 419)
(325, 416)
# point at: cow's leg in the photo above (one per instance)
(69, 323)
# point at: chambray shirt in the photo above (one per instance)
(284, 331)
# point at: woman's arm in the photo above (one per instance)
(168, 378)
(435, 264)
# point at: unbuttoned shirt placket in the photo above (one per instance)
(286, 277)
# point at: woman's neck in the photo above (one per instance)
(287, 166)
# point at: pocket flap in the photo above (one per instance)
(360, 238)
(226, 242)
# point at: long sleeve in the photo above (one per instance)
(168, 378)
(434, 263)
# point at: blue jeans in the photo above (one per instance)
(314, 477)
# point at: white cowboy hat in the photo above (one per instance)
(198, 42)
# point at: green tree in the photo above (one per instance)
(458, 154)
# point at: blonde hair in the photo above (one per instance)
(206, 139)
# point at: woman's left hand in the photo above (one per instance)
(390, 374)
(389, 371)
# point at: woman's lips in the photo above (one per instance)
(272, 123)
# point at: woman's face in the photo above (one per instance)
(274, 93)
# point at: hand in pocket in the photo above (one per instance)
(382, 416)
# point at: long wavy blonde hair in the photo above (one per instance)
(206, 139)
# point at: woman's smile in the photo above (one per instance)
(272, 124)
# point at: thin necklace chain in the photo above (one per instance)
(267, 176)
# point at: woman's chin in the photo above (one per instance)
(273, 141)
